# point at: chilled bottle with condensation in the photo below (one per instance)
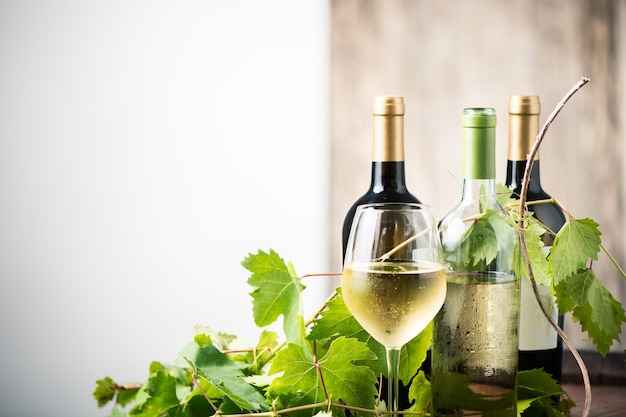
(388, 183)
(475, 339)
(539, 344)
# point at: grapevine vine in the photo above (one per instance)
(522, 207)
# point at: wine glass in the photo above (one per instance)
(393, 278)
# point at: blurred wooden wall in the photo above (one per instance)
(445, 55)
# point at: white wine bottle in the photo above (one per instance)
(539, 344)
(388, 182)
(475, 342)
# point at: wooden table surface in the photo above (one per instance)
(606, 400)
(608, 384)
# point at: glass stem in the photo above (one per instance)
(393, 369)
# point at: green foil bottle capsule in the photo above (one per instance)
(479, 143)
(475, 340)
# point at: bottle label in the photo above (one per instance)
(535, 332)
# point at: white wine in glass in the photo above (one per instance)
(393, 279)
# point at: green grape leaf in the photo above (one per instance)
(198, 406)
(278, 291)
(576, 243)
(535, 384)
(593, 306)
(263, 352)
(336, 320)
(207, 336)
(259, 356)
(178, 372)
(540, 408)
(161, 397)
(536, 390)
(413, 354)
(484, 239)
(343, 378)
(105, 391)
(505, 197)
(126, 395)
(420, 393)
(536, 252)
(299, 375)
(225, 375)
(479, 243)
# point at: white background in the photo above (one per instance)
(145, 148)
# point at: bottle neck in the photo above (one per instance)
(481, 191)
(515, 176)
(388, 176)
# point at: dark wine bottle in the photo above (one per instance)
(539, 344)
(388, 182)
